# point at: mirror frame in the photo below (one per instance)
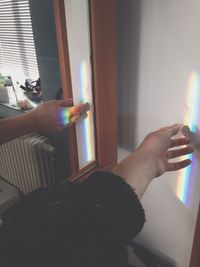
(104, 72)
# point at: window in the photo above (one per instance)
(17, 48)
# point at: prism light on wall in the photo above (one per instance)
(191, 119)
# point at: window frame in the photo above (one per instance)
(104, 72)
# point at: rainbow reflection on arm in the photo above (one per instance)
(69, 115)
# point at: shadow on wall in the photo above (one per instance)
(128, 48)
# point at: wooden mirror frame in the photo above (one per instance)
(104, 67)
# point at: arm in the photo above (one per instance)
(44, 118)
(94, 219)
(14, 127)
(151, 158)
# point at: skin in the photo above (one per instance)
(194, 136)
(151, 158)
(44, 118)
(79, 111)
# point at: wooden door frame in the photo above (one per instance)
(104, 68)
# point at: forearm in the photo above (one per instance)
(17, 126)
(136, 170)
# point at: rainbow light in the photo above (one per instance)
(191, 119)
(64, 116)
(85, 127)
(87, 130)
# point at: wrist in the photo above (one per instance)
(32, 121)
(144, 171)
(137, 170)
(147, 162)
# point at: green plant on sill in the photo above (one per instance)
(5, 80)
(2, 79)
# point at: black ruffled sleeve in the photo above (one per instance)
(114, 207)
(86, 224)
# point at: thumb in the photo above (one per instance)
(65, 102)
(174, 129)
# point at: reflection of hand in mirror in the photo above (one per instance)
(47, 116)
(78, 112)
(53, 116)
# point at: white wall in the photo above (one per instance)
(169, 51)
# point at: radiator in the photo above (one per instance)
(28, 163)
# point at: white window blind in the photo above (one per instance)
(17, 48)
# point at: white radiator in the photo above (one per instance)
(28, 162)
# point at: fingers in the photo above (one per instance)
(180, 141)
(171, 154)
(179, 152)
(174, 129)
(65, 103)
(80, 110)
(73, 114)
(186, 131)
(175, 166)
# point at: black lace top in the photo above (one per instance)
(74, 225)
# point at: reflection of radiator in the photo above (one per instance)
(28, 162)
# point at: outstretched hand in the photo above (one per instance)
(152, 158)
(161, 146)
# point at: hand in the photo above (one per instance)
(47, 115)
(157, 146)
(194, 136)
(78, 112)
(151, 158)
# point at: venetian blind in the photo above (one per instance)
(17, 48)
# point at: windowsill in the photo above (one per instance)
(10, 105)
(8, 110)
